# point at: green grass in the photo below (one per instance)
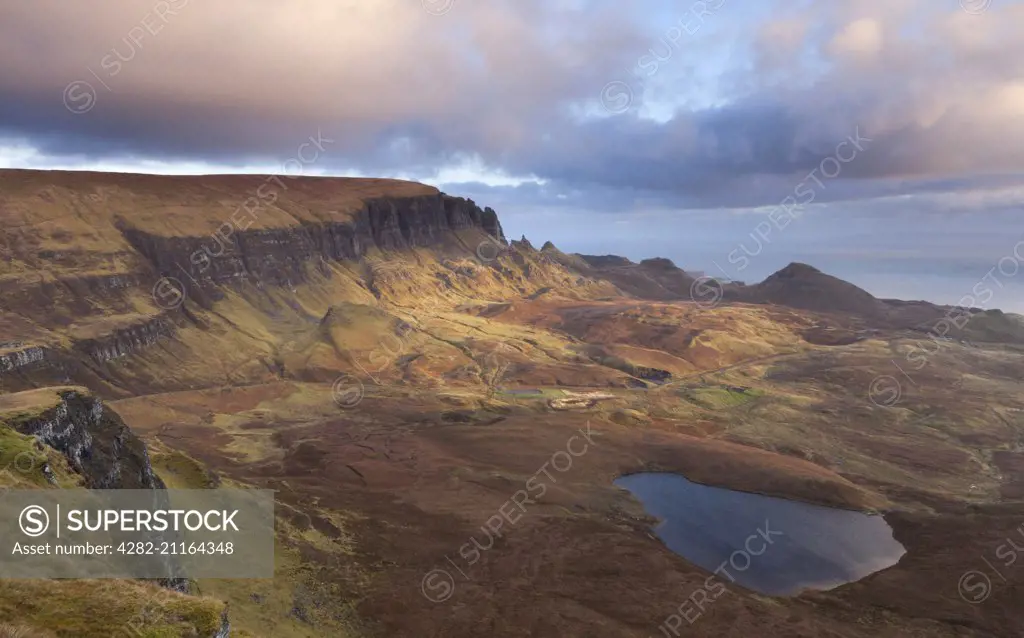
(21, 631)
(22, 463)
(105, 609)
(179, 471)
(720, 397)
(88, 608)
(268, 607)
(629, 417)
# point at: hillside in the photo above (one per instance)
(383, 358)
(63, 438)
(805, 287)
(650, 279)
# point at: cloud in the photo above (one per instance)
(748, 103)
(859, 39)
(228, 79)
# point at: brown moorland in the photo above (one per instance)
(390, 372)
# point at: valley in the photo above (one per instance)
(443, 413)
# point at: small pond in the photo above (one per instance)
(770, 545)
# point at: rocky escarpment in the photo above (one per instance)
(69, 308)
(284, 256)
(124, 341)
(19, 356)
(96, 442)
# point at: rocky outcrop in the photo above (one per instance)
(97, 445)
(125, 341)
(25, 357)
(96, 442)
(578, 400)
(284, 256)
(225, 627)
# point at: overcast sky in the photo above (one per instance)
(642, 127)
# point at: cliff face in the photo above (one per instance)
(282, 256)
(96, 267)
(96, 442)
(121, 342)
(21, 357)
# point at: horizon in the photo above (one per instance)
(943, 288)
(605, 117)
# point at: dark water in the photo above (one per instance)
(771, 545)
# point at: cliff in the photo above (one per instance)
(286, 256)
(95, 444)
(95, 441)
(20, 356)
(82, 244)
(97, 267)
(124, 340)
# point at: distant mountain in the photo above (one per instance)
(805, 287)
(656, 278)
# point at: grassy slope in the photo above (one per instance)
(244, 393)
(106, 608)
(81, 608)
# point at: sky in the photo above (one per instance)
(879, 140)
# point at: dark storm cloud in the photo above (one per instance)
(939, 93)
(188, 79)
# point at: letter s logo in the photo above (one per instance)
(34, 521)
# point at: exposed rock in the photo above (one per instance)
(225, 627)
(283, 256)
(124, 341)
(524, 244)
(31, 356)
(578, 400)
(96, 442)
